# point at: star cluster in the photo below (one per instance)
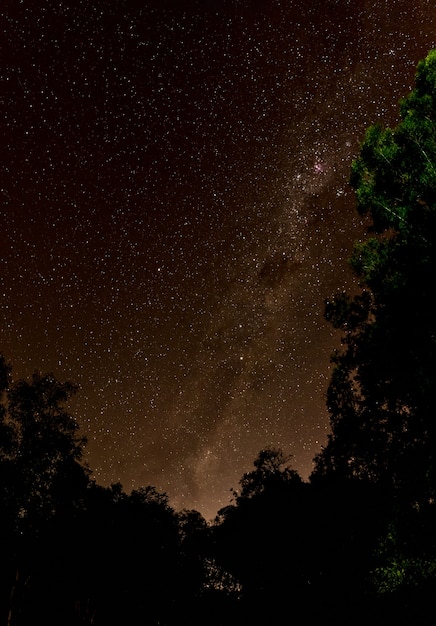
(175, 209)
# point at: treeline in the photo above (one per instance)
(74, 552)
(355, 544)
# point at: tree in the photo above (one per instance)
(42, 480)
(381, 395)
(129, 546)
(272, 473)
(260, 540)
(40, 459)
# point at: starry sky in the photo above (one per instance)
(175, 209)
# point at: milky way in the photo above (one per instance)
(175, 210)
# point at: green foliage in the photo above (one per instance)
(381, 395)
(399, 571)
(395, 174)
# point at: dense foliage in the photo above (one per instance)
(353, 545)
(381, 397)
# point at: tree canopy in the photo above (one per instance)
(381, 397)
(40, 449)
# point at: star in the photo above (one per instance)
(176, 208)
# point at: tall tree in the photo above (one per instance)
(381, 397)
(260, 540)
(42, 480)
(43, 451)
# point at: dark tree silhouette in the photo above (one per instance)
(296, 547)
(46, 449)
(42, 479)
(272, 473)
(260, 539)
(381, 396)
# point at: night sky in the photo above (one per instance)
(175, 210)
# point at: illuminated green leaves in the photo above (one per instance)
(395, 174)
